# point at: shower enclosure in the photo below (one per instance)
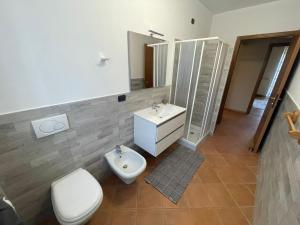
(199, 76)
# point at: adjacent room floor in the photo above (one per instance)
(260, 102)
(221, 192)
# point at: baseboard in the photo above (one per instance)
(187, 144)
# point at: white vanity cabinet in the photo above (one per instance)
(156, 129)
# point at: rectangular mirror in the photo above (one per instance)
(147, 58)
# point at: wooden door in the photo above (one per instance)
(276, 93)
(148, 66)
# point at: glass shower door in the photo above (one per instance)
(187, 65)
(203, 91)
(184, 73)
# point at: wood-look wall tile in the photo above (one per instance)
(28, 165)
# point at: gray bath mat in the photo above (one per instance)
(173, 174)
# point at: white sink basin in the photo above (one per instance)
(161, 113)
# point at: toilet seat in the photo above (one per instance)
(75, 197)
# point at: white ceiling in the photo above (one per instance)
(219, 6)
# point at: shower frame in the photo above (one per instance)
(211, 94)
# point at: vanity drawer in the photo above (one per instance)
(167, 141)
(168, 127)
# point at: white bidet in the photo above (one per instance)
(126, 163)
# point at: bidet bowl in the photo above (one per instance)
(128, 165)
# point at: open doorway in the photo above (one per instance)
(269, 73)
(260, 67)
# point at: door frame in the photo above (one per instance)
(262, 71)
(287, 34)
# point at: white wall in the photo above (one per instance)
(294, 89)
(276, 16)
(49, 49)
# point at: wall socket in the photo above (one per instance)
(121, 98)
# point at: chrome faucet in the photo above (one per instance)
(119, 150)
(155, 106)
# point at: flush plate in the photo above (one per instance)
(50, 125)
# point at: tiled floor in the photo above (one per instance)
(260, 102)
(221, 192)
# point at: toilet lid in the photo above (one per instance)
(75, 195)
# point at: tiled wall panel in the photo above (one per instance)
(204, 81)
(29, 165)
(278, 186)
(137, 84)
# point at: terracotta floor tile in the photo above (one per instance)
(235, 175)
(112, 180)
(141, 179)
(241, 194)
(208, 175)
(227, 174)
(197, 196)
(232, 216)
(205, 216)
(247, 160)
(207, 164)
(108, 196)
(246, 176)
(232, 161)
(208, 147)
(248, 212)
(251, 188)
(241, 159)
(254, 169)
(229, 145)
(149, 197)
(178, 217)
(150, 217)
(125, 197)
(101, 217)
(219, 195)
(123, 217)
(216, 160)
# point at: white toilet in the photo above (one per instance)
(76, 197)
(126, 163)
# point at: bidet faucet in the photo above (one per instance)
(119, 150)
